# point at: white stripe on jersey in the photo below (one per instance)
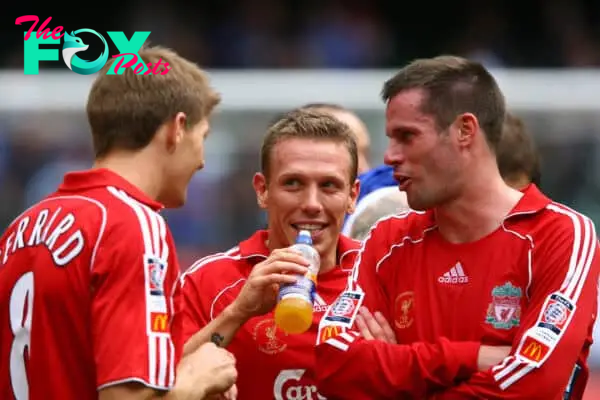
(319, 300)
(161, 356)
(585, 242)
(343, 340)
(231, 254)
(353, 278)
(165, 341)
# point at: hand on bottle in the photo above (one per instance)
(259, 294)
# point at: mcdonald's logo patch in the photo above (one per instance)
(159, 322)
(328, 332)
(534, 350)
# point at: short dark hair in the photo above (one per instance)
(314, 107)
(324, 106)
(517, 154)
(308, 124)
(125, 111)
(453, 85)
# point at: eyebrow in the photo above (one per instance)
(293, 174)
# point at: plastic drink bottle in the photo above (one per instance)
(294, 310)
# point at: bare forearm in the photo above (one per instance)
(182, 394)
(135, 391)
(225, 325)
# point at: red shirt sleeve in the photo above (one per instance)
(193, 314)
(350, 367)
(132, 280)
(546, 354)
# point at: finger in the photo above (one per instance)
(228, 354)
(372, 324)
(276, 252)
(290, 255)
(231, 376)
(280, 279)
(281, 267)
(291, 249)
(232, 393)
(362, 327)
(385, 327)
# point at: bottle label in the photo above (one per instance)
(304, 288)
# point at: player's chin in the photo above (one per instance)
(416, 202)
(325, 240)
(176, 198)
(174, 203)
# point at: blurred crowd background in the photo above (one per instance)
(37, 146)
(340, 33)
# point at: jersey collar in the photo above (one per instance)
(532, 202)
(256, 246)
(102, 177)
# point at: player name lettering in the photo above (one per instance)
(52, 230)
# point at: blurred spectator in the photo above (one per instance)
(338, 34)
(484, 38)
(255, 34)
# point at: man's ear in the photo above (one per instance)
(259, 182)
(174, 131)
(467, 127)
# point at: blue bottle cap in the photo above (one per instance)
(304, 238)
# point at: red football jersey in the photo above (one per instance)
(531, 284)
(271, 364)
(85, 282)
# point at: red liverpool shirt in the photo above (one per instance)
(271, 364)
(85, 292)
(531, 284)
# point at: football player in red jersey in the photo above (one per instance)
(86, 274)
(519, 165)
(478, 262)
(308, 181)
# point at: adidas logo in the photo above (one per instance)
(319, 305)
(455, 275)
